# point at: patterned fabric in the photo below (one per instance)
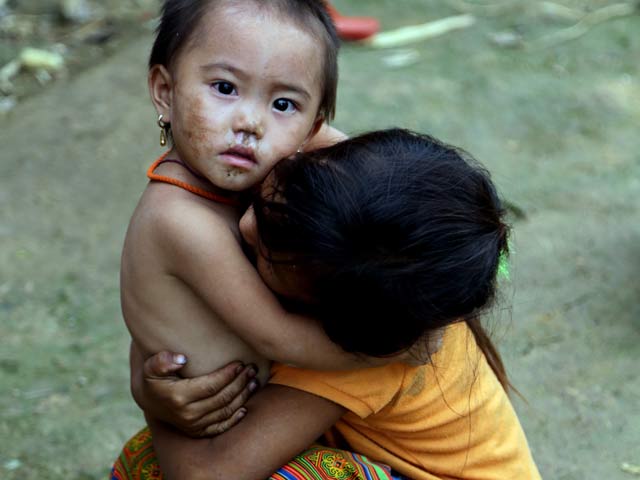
(325, 463)
(137, 461)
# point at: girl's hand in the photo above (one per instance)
(199, 407)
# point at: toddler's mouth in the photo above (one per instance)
(240, 156)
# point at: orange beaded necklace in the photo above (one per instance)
(191, 188)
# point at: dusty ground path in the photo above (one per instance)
(559, 131)
(73, 167)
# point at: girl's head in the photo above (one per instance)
(391, 235)
(242, 83)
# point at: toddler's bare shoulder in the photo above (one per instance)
(184, 220)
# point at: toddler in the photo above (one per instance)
(238, 85)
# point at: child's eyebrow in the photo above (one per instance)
(293, 88)
(223, 66)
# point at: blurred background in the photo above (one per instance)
(545, 94)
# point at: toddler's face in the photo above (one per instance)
(245, 94)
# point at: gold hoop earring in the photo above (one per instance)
(163, 131)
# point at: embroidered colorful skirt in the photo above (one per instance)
(137, 461)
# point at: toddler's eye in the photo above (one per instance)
(224, 88)
(284, 105)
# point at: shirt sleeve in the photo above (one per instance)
(363, 392)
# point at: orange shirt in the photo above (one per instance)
(450, 419)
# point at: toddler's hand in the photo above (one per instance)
(199, 407)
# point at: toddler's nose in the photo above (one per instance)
(245, 138)
(249, 124)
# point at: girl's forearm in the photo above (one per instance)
(277, 427)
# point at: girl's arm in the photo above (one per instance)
(199, 406)
(281, 423)
(208, 257)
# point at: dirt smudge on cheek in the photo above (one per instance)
(195, 121)
(197, 127)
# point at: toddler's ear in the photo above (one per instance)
(161, 90)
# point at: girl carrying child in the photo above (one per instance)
(238, 85)
(392, 240)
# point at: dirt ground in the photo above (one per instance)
(557, 125)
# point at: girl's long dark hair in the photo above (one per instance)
(398, 233)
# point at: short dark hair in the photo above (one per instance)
(399, 234)
(181, 18)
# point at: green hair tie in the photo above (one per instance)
(503, 266)
(503, 262)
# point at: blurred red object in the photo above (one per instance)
(353, 28)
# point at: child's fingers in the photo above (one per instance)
(210, 416)
(216, 422)
(221, 427)
(163, 364)
(213, 411)
(222, 386)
